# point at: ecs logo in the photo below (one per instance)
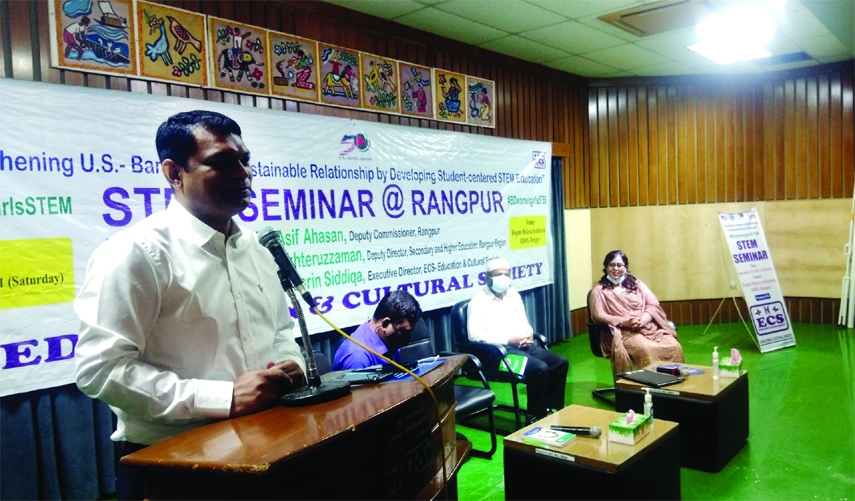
(539, 158)
(354, 142)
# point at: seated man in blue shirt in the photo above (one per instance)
(386, 333)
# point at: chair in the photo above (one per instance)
(596, 331)
(322, 363)
(490, 351)
(472, 401)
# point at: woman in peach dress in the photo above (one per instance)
(641, 333)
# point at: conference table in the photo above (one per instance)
(713, 414)
(383, 441)
(593, 468)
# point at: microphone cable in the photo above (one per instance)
(417, 378)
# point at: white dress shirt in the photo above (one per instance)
(171, 313)
(495, 320)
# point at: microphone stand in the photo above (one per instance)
(315, 391)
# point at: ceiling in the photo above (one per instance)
(568, 36)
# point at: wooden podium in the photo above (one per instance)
(381, 442)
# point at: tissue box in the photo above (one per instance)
(630, 434)
(727, 369)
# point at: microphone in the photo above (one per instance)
(674, 371)
(316, 391)
(288, 275)
(593, 431)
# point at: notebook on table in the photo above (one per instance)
(369, 375)
(651, 378)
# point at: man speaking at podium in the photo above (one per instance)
(183, 319)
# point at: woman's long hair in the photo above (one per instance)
(629, 283)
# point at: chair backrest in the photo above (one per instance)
(460, 323)
(322, 363)
(594, 330)
(420, 346)
(473, 370)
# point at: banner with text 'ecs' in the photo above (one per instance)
(364, 208)
(760, 287)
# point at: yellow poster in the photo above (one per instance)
(526, 232)
(36, 272)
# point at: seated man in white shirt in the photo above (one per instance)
(183, 319)
(497, 315)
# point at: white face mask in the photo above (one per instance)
(501, 283)
(615, 280)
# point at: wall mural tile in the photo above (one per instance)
(93, 36)
(416, 90)
(380, 76)
(163, 43)
(340, 72)
(450, 96)
(293, 62)
(171, 44)
(481, 99)
(238, 56)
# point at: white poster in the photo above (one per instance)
(760, 287)
(364, 208)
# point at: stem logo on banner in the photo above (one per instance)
(760, 287)
(363, 208)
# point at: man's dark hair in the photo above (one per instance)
(175, 139)
(398, 306)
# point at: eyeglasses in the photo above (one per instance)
(616, 266)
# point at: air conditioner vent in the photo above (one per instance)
(659, 17)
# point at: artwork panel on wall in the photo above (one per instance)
(162, 43)
(237, 56)
(293, 62)
(416, 90)
(171, 44)
(340, 72)
(481, 99)
(450, 96)
(93, 36)
(380, 76)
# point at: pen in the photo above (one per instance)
(378, 368)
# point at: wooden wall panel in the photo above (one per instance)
(5, 39)
(781, 136)
(701, 311)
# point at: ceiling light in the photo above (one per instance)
(740, 34)
(724, 54)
